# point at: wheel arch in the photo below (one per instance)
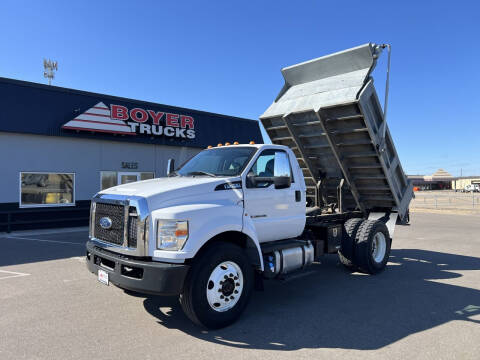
(251, 247)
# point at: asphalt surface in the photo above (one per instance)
(426, 305)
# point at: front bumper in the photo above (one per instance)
(148, 277)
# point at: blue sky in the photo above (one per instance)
(226, 56)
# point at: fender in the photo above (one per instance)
(249, 230)
(205, 222)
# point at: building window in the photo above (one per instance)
(146, 175)
(47, 189)
(109, 179)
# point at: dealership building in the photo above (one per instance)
(61, 146)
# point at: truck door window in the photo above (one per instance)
(271, 163)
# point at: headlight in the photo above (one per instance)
(171, 234)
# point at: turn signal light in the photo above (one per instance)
(252, 142)
(235, 143)
(219, 145)
(181, 232)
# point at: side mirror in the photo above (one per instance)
(281, 182)
(251, 180)
(170, 166)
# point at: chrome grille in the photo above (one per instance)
(129, 233)
(132, 231)
(116, 213)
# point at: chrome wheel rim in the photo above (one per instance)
(224, 286)
(379, 247)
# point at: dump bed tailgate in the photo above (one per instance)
(328, 113)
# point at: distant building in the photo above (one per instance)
(459, 183)
(442, 180)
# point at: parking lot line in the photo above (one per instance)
(47, 231)
(13, 274)
(42, 240)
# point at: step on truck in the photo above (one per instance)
(237, 215)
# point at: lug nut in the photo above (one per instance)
(221, 296)
(236, 291)
(231, 297)
(235, 278)
(226, 299)
(225, 277)
(219, 290)
(231, 275)
(238, 284)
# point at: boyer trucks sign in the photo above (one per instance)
(119, 119)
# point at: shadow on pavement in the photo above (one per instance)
(18, 248)
(332, 308)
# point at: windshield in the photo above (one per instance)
(218, 162)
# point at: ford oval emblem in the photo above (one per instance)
(105, 223)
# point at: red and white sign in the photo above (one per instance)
(115, 119)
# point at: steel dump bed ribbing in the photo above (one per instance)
(328, 113)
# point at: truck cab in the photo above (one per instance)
(144, 236)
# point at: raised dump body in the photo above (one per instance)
(328, 113)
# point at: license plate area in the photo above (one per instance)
(103, 276)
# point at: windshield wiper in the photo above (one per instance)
(201, 173)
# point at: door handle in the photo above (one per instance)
(298, 196)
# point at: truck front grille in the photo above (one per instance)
(132, 231)
(116, 213)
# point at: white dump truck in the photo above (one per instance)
(235, 215)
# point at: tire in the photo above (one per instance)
(372, 248)
(200, 297)
(345, 254)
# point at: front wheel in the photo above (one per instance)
(218, 286)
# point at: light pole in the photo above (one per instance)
(49, 67)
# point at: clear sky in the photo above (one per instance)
(226, 56)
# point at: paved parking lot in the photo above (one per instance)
(425, 305)
(446, 200)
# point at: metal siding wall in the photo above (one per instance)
(112, 155)
(180, 154)
(86, 158)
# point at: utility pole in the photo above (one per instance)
(49, 67)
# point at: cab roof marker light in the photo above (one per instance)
(219, 145)
(235, 143)
(252, 142)
(209, 146)
(227, 143)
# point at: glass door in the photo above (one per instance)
(128, 177)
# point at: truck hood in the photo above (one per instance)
(170, 188)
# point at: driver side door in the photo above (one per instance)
(276, 213)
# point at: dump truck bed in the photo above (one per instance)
(328, 113)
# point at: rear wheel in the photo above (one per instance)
(345, 254)
(218, 286)
(372, 248)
